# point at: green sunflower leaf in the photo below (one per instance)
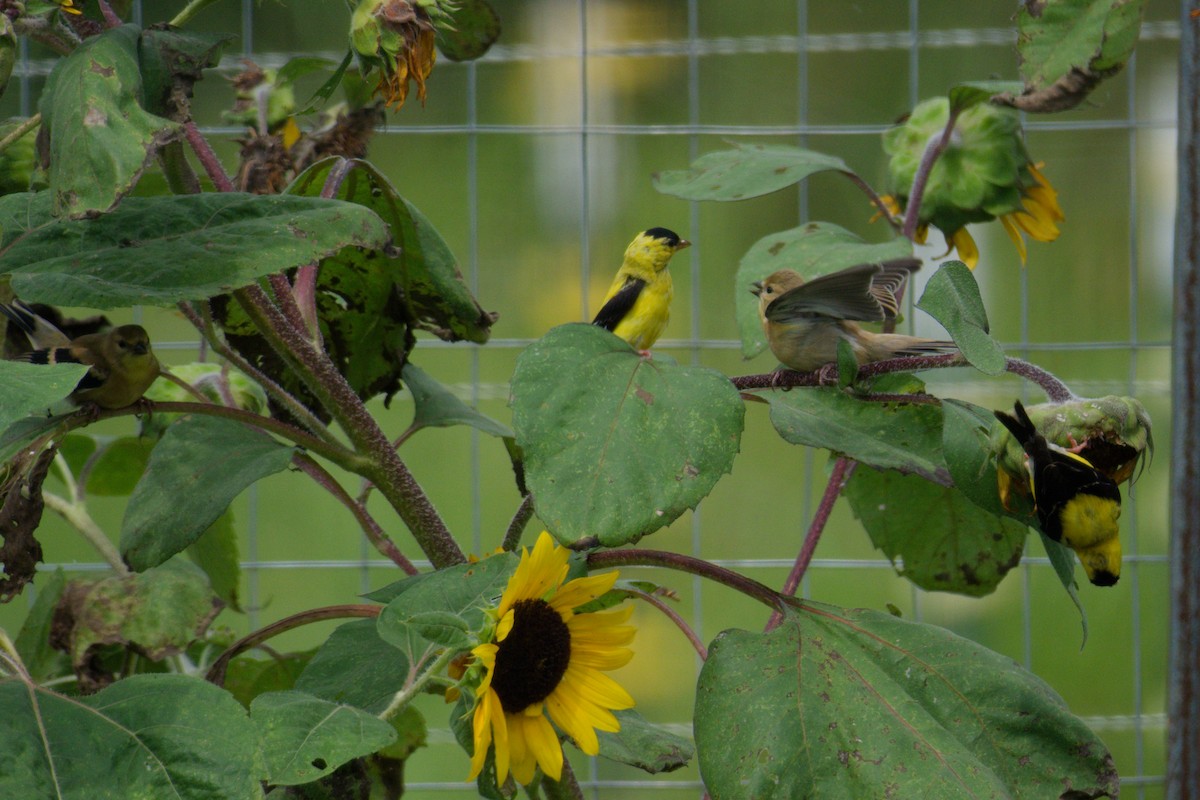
(972, 93)
(748, 170)
(846, 704)
(195, 471)
(812, 249)
(649, 747)
(616, 445)
(160, 250)
(1062, 558)
(33, 388)
(143, 736)
(437, 406)
(946, 542)
(952, 298)
(355, 666)
(901, 436)
(98, 135)
(305, 738)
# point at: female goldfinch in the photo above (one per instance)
(638, 303)
(1075, 503)
(122, 364)
(804, 320)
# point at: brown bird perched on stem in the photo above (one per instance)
(122, 364)
(804, 320)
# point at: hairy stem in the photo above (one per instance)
(694, 566)
(392, 477)
(370, 527)
(216, 673)
(512, 536)
(933, 150)
(405, 695)
(843, 468)
(208, 159)
(672, 615)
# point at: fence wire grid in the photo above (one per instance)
(588, 98)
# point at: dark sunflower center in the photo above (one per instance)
(532, 659)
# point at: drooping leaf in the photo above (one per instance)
(160, 250)
(355, 666)
(616, 445)
(119, 467)
(902, 436)
(33, 388)
(748, 170)
(172, 61)
(967, 446)
(216, 552)
(437, 406)
(40, 658)
(475, 28)
(1067, 47)
(952, 298)
(846, 704)
(157, 612)
(195, 471)
(100, 138)
(649, 747)
(945, 542)
(1062, 558)
(305, 738)
(159, 736)
(812, 249)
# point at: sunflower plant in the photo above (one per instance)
(313, 283)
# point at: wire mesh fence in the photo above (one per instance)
(535, 161)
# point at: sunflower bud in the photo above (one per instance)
(1112, 433)
(397, 38)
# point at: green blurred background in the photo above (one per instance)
(535, 164)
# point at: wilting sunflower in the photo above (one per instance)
(397, 38)
(984, 173)
(544, 663)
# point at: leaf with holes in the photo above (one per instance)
(616, 445)
(845, 704)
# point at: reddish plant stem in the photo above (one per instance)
(208, 159)
(672, 615)
(1056, 391)
(385, 468)
(286, 301)
(875, 199)
(843, 468)
(374, 533)
(677, 561)
(110, 17)
(932, 151)
(216, 673)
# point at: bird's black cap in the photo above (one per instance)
(670, 237)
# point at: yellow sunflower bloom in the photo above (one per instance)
(544, 664)
(1039, 216)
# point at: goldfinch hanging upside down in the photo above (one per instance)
(638, 303)
(122, 364)
(804, 320)
(1075, 503)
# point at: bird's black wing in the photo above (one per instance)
(620, 304)
(862, 292)
(64, 355)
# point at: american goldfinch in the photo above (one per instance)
(122, 364)
(1075, 503)
(804, 320)
(638, 303)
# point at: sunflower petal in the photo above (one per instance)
(964, 244)
(1014, 233)
(582, 590)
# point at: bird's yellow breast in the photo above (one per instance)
(645, 322)
(1088, 520)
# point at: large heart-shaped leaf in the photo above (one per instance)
(617, 445)
(952, 298)
(846, 704)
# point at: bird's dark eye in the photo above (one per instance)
(121, 343)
